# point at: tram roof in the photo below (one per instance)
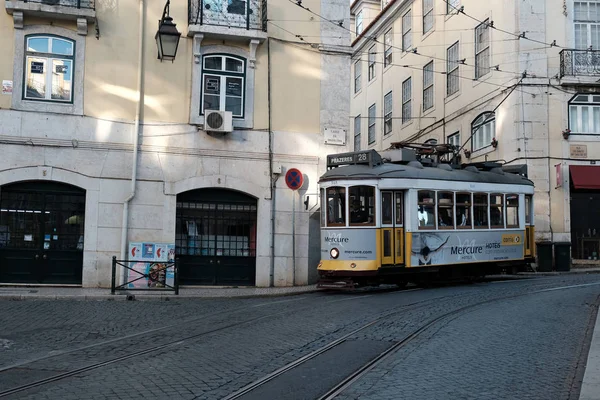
(417, 171)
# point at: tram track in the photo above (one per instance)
(171, 344)
(374, 362)
(175, 342)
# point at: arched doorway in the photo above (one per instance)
(41, 233)
(215, 237)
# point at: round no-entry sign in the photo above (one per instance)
(294, 179)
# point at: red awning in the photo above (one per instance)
(585, 176)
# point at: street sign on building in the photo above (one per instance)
(294, 179)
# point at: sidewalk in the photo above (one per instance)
(590, 387)
(77, 293)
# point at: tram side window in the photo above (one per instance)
(336, 206)
(426, 210)
(445, 210)
(463, 210)
(512, 211)
(387, 208)
(528, 210)
(480, 210)
(496, 211)
(362, 205)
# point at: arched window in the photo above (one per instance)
(49, 68)
(483, 130)
(223, 84)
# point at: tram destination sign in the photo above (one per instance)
(369, 157)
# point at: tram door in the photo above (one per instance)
(392, 228)
(529, 227)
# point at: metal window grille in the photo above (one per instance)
(427, 15)
(388, 54)
(406, 31)
(482, 49)
(216, 229)
(371, 133)
(406, 100)
(357, 126)
(245, 14)
(452, 63)
(387, 111)
(372, 56)
(452, 6)
(357, 75)
(428, 86)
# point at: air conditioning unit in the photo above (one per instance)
(218, 121)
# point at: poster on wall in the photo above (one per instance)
(7, 87)
(150, 265)
(439, 248)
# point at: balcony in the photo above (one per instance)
(82, 11)
(580, 63)
(228, 19)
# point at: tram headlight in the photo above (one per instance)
(334, 253)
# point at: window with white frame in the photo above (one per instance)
(428, 86)
(452, 63)
(407, 31)
(372, 57)
(49, 63)
(357, 126)
(357, 75)
(584, 114)
(406, 100)
(427, 15)
(387, 113)
(587, 24)
(454, 140)
(223, 84)
(372, 114)
(452, 6)
(359, 23)
(388, 40)
(483, 131)
(482, 49)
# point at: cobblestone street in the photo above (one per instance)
(519, 339)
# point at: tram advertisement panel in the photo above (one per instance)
(438, 248)
(353, 244)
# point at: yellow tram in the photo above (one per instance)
(398, 216)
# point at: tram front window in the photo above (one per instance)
(336, 206)
(362, 205)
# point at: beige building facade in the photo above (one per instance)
(105, 146)
(513, 81)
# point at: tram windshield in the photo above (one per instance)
(336, 206)
(362, 205)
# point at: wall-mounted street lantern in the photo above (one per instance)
(167, 36)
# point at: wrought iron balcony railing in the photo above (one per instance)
(245, 14)
(579, 62)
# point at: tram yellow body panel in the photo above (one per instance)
(349, 265)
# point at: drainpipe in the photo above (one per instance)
(272, 181)
(136, 138)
